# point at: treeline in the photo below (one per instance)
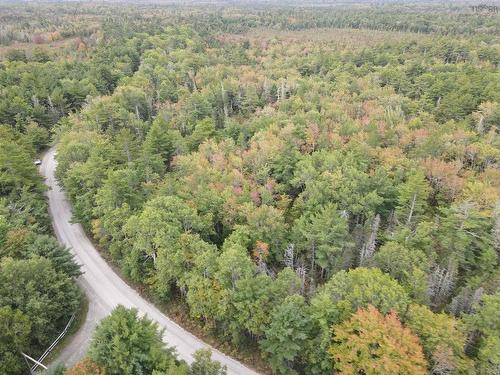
(293, 194)
(38, 293)
(37, 289)
(429, 20)
(45, 23)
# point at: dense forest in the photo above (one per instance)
(319, 187)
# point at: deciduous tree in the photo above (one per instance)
(371, 343)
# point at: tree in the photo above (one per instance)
(442, 338)
(126, 344)
(254, 297)
(82, 182)
(287, 334)
(488, 358)
(203, 163)
(122, 186)
(409, 267)
(175, 261)
(484, 333)
(339, 298)
(159, 141)
(47, 297)
(485, 316)
(60, 256)
(234, 264)
(203, 130)
(207, 299)
(463, 238)
(15, 328)
(412, 199)
(16, 55)
(267, 224)
(17, 170)
(37, 136)
(324, 236)
(203, 364)
(371, 343)
(154, 229)
(348, 291)
(486, 117)
(40, 55)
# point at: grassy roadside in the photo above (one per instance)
(80, 317)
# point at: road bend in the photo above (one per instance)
(105, 289)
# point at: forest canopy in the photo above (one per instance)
(302, 182)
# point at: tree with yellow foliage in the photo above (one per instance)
(371, 343)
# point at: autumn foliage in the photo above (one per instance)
(371, 343)
(86, 367)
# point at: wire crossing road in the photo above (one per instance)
(105, 289)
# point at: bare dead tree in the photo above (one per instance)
(344, 214)
(288, 258)
(152, 256)
(262, 267)
(412, 208)
(183, 290)
(442, 361)
(465, 301)
(191, 75)
(464, 212)
(224, 100)
(301, 272)
(480, 125)
(368, 248)
(51, 105)
(313, 266)
(282, 90)
(440, 284)
(266, 87)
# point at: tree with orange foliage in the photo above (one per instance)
(371, 343)
(86, 367)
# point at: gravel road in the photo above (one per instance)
(105, 289)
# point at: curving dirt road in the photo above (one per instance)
(105, 289)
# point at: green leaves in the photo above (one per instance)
(208, 159)
(203, 365)
(15, 329)
(340, 297)
(47, 297)
(325, 237)
(287, 334)
(126, 344)
(17, 169)
(60, 257)
(347, 291)
(442, 338)
(163, 237)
